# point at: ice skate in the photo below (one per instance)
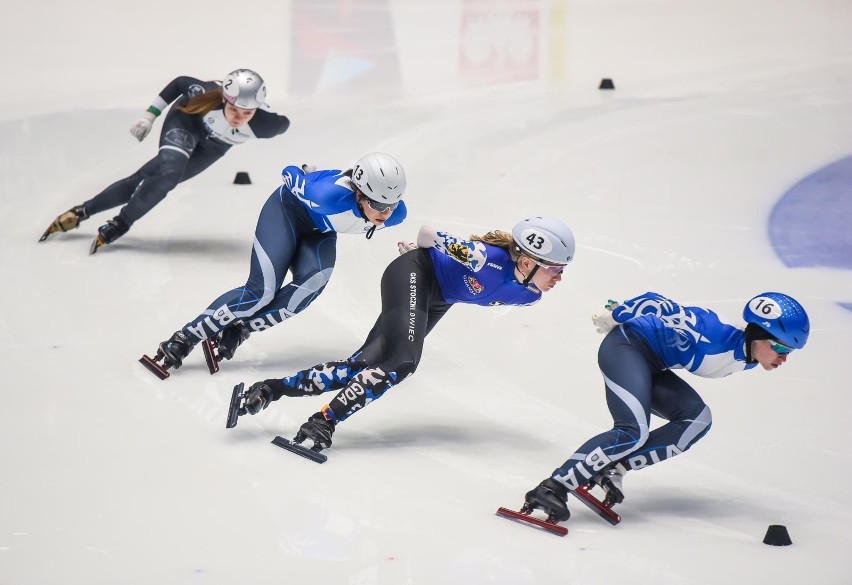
(67, 221)
(610, 479)
(231, 338)
(170, 354)
(250, 401)
(225, 345)
(318, 429)
(108, 233)
(551, 496)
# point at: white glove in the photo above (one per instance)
(405, 247)
(308, 169)
(605, 322)
(142, 126)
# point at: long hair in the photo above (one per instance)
(203, 103)
(501, 239)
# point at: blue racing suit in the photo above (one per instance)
(296, 231)
(418, 288)
(656, 336)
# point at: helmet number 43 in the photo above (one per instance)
(535, 241)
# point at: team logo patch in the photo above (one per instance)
(473, 285)
(459, 252)
(194, 90)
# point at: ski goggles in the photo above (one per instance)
(381, 207)
(779, 348)
(551, 269)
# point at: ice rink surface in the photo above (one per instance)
(717, 169)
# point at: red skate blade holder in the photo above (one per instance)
(595, 505)
(531, 521)
(153, 367)
(210, 356)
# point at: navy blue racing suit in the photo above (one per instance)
(296, 231)
(636, 359)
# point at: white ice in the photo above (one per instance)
(112, 476)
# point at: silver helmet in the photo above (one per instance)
(380, 177)
(245, 89)
(545, 238)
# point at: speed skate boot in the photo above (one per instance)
(109, 232)
(610, 479)
(319, 429)
(175, 349)
(67, 221)
(231, 338)
(551, 496)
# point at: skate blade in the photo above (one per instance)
(299, 450)
(595, 505)
(234, 408)
(51, 229)
(528, 520)
(96, 243)
(154, 367)
(210, 357)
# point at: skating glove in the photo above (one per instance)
(308, 169)
(405, 247)
(605, 322)
(142, 126)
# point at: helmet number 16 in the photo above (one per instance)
(764, 306)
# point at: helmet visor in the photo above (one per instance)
(779, 347)
(552, 269)
(381, 207)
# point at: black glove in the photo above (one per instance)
(258, 397)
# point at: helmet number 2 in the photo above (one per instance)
(535, 241)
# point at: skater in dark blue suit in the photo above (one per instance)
(647, 338)
(296, 232)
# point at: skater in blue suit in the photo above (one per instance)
(647, 338)
(296, 232)
(418, 288)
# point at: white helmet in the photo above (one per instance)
(380, 177)
(245, 89)
(545, 238)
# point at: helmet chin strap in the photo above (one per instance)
(749, 358)
(372, 229)
(529, 277)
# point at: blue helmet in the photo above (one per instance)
(781, 316)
